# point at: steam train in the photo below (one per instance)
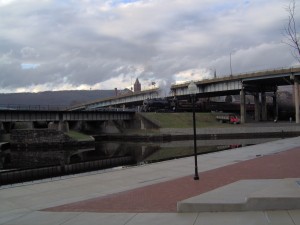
(286, 109)
(175, 105)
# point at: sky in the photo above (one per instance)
(50, 45)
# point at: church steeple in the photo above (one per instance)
(137, 86)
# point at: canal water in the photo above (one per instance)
(140, 152)
(21, 166)
(148, 152)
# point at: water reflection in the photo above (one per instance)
(147, 152)
(139, 152)
(25, 165)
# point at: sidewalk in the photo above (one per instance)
(163, 197)
(149, 194)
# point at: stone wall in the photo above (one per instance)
(32, 136)
(43, 147)
(41, 140)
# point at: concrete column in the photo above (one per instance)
(296, 93)
(243, 107)
(257, 107)
(1, 132)
(143, 127)
(63, 126)
(275, 106)
(7, 126)
(263, 106)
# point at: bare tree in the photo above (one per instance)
(290, 31)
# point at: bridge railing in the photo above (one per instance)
(102, 109)
(32, 107)
(266, 70)
(60, 108)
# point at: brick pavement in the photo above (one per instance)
(163, 197)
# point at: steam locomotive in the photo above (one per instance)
(176, 105)
(286, 109)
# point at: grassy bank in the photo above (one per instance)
(183, 120)
(79, 136)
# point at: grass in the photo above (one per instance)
(79, 136)
(141, 132)
(183, 120)
(5, 138)
(73, 134)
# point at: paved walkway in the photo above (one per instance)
(163, 197)
(148, 194)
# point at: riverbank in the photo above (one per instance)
(248, 128)
(241, 131)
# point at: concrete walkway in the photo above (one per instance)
(69, 200)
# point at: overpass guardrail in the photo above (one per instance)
(8, 107)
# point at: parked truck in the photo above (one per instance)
(228, 118)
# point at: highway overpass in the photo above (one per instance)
(251, 83)
(255, 83)
(131, 99)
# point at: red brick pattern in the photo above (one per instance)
(163, 197)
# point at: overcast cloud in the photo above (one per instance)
(103, 44)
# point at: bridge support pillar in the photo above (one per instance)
(263, 106)
(63, 126)
(257, 107)
(143, 127)
(275, 106)
(243, 107)
(7, 126)
(296, 94)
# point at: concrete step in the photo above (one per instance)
(247, 195)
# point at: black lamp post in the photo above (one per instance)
(192, 89)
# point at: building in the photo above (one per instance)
(137, 86)
(122, 92)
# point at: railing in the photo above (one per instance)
(59, 108)
(32, 107)
(266, 70)
(31, 174)
(244, 73)
(111, 110)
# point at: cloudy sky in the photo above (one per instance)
(103, 44)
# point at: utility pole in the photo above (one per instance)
(230, 65)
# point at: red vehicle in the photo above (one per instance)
(230, 118)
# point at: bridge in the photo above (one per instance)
(56, 116)
(267, 81)
(256, 84)
(128, 100)
(252, 83)
(62, 117)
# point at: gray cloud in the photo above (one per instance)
(69, 43)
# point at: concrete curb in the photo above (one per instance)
(247, 195)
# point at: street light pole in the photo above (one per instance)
(192, 88)
(230, 66)
(196, 177)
